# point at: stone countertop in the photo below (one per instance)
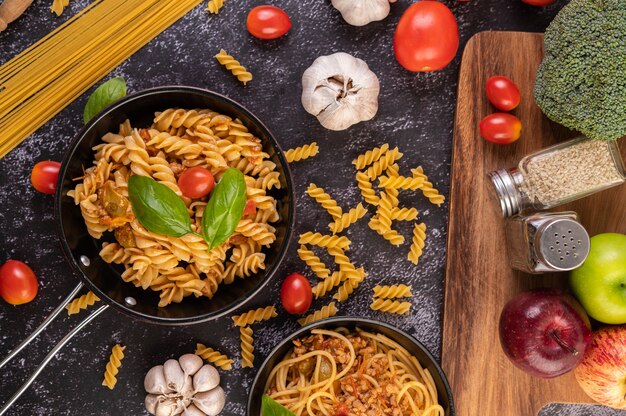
(416, 114)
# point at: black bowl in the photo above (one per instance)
(82, 250)
(413, 346)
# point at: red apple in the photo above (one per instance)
(544, 332)
(602, 372)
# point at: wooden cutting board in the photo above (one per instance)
(478, 279)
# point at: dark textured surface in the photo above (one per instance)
(416, 113)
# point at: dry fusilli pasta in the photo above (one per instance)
(403, 214)
(349, 286)
(348, 219)
(321, 240)
(391, 306)
(392, 292)
(247, 347)
(82, 302)
(381, 165)
(234, 66)
(327, 284)
(255, 315)
(323, 313)
(214, 6)
(427, 188)
(400, 182)
(367, 189)
(370, 156)
(325, 200)
(394, 238)
(301, 152)
(214, 357)
(58, 6)
(314, 262)
(112, 367)
(418, 242)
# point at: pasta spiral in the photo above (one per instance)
(347, 269)
(58, 6)
(367, 189)
(233, 66)
(214, 6)
(401, 182)
(427, 188)
(327, 284)
(418, 242)
(328, 241)
(349, 286)
(173, 145)
(325, 200)
(391, 292)
(247, 347)
(369, 157)
(254, 316)
(323, 313)
(348, 219)
(394, 238)
(82, 302)
(112, 367)
(383, 163)
(314, 262)
(214, 357)
(301, 152)
(391, 306)
(403, 214)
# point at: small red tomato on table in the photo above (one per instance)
(502, 93)
(18, 283)
(296, 294)
(268, 22)
(501, 128)
(196, 182)
(44, 176)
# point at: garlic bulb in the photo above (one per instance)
(362, 12)
(184, 387)
(340, 90)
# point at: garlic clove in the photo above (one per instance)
(210, 402)
(362, 12)
(155, 382)
(174, 375)
(190, 363)
(207, 378)
(151, 401)
(187, 391)
(193, 411)
(165, 407)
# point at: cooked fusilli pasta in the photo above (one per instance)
(418, 242)
(391, 306)
(302, 152)
(247, 347)
(325, 200)
(214, 357)
(392, 292)
(369, 157)
(314, 262)
(214, 6)
(321, 240)
(58, 6)
(81, 303)
(427, 188)
(254, 316)
(348, 219)
(234, 66)
(323, 313)
(112, 367)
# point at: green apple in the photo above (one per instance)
(600, 283)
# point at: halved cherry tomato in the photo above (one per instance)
(427, 37)
(196, 182)
(538, 2)
(268, 22)
(250, 208)
(501, 128)
(502, 93)
(18, 283)
(44, 176)
(296, 294)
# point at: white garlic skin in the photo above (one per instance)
(207, 378)
(340, 90)
(190, 363)
(166, 407)
(210, 402)
(151, 401)
(154, 382)
(174, 375)
(193, 411)
(362, 12)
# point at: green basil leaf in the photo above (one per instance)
(225, 208)
(271, 407)
(105, 95)
(157, 208)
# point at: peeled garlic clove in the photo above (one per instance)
(340, 90)
(155, 382)
(174, 375)
(362, 12)
(193, 411)
(190, 363)
(207, 378)
(210, 402)
(151, 401)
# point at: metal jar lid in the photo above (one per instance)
(506, 192)
(562, 243)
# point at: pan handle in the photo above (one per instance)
(43, 325)
(49, 357)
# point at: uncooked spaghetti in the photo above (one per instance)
(352, 372)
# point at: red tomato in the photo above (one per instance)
(502, 93)
(268, 22)
(18, 284)
(296, 294)
(250, 208)
(501, 128)
(44, 176)
(538, 2)
(196, 182)
(427, 37)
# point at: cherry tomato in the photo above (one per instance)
(18, 283)
(196, 182)
(44, 176)
(501, 128)
(502, 93)
(427, 37)
(268, 22)
(250, 208)
(296, 294)
(538, 2)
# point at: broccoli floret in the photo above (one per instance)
(581, 82)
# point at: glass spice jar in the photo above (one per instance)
(559, 174)
(546, 242)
